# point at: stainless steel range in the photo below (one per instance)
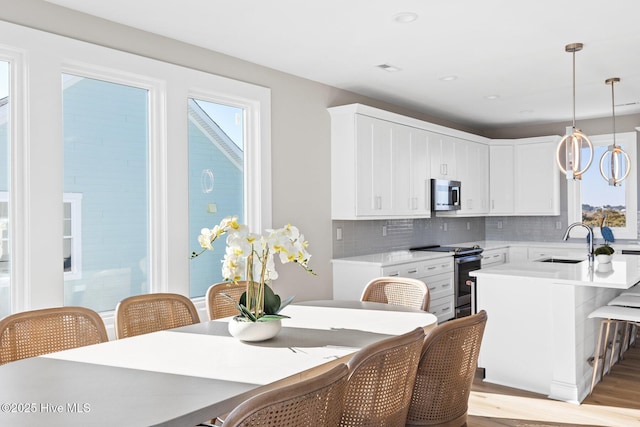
(466, 260)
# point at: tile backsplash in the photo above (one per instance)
(365, 237)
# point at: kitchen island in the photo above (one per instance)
(538, 336)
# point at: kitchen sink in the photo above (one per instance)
(561, 260)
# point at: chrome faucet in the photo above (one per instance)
(589, 230)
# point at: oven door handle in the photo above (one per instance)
(469, 258)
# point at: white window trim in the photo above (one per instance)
(75, 199)
(18, 190)
(574, 207)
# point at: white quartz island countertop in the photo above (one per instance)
(622, 273)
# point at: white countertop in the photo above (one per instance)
(394, 257)
(622, 273)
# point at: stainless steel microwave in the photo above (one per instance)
(445, 195)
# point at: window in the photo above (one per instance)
(593, 199)
(5, 282)
(216, 181)
(72, 236)
(105, 131)
(112, 145)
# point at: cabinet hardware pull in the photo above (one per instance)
(393, 274)
(412, 271)
(431, 268)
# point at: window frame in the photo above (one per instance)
(75, 199)
(37, 161)
(574, 187)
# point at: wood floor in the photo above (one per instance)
(615, 402)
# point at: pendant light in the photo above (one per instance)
(573, 142)
(614, 152)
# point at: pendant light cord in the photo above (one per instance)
(613, 111)
(574, 88)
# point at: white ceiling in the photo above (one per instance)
(512, 49)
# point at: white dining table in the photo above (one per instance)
(187, 375)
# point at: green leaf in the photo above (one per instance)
(271, 317)
(246, 313)
(271, 301)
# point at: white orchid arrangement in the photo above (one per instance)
(251, 256)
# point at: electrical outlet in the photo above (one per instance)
(468, 226)
(384, 231)
(499, 225)
(558, 225)
(444, 226)
(339, 233)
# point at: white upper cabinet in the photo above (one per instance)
(471, 166)
(501, 179)
(411, 180)
(379, 167)
(524, 179)
(473, 173)
(373, 148)
(382, 164)
(442, 151)
(537, 179)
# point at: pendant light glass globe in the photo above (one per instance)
(618, 159)
(615, 156)
(572, 144)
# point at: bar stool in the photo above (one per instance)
(610, 315)
(627, 300)
(634, 290)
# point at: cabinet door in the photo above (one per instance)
(442, 153)
(420, 195)
(410, 189)
(400, 170)
(473, 172)
(537, 179)
(494, 257)
(501, 183)
(373, 166)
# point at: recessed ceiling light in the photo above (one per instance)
(405, 17)
(492, 97)
(448, 78)
(388, 67)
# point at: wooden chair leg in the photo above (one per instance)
(596, 355)
(614, 344)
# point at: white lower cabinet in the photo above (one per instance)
(493, 257)
(350, 278)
